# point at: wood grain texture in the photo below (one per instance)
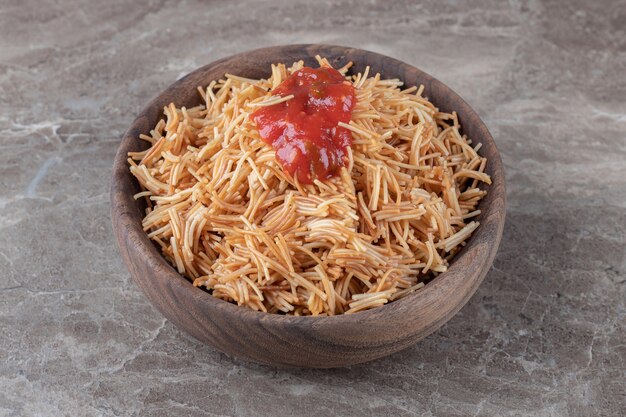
(321, 342)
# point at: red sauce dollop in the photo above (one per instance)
(304, 130)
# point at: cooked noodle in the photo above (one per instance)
(228, 217)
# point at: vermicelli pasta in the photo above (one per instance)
(228, 217)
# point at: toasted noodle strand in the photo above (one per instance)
(229, 218)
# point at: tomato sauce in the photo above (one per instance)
(304, 130)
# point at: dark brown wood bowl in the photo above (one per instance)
(321, 342)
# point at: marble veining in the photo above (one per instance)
(545, 335)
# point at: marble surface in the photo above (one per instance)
(545, 335)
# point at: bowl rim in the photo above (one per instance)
(123, 220)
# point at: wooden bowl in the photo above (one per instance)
(321, 342)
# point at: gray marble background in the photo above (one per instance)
(543, 336)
